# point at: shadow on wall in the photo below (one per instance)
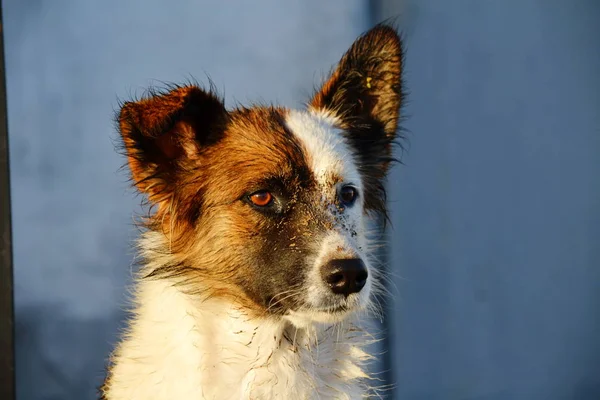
(496, 213)
(58, 368)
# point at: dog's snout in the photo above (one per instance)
(345, 276)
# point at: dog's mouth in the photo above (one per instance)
(290, 305)
(278, 305)
(336, 309)
(335, 312)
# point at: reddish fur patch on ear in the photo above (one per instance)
(169, 146)
(152, 115)
(163, 131)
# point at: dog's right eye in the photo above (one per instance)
(261, 198)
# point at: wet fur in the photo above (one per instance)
(228, 302)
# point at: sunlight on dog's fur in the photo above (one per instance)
(257, 269)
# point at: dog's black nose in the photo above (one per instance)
(345, 276)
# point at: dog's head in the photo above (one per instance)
(266, 204)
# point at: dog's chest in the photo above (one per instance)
(268, 362)
(174, 351)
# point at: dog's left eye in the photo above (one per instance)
(261, 198)
(348, 195)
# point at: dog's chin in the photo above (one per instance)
(327, 314)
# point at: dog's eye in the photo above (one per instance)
(348, 195)
(261, 198)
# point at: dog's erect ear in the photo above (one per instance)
(366, 87)
(164, 132)
(365, 93)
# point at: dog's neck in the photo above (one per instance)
(179, 347)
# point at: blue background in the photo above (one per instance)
(497, 211)
(494, 249)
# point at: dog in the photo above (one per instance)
(256, 261)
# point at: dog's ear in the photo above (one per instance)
(164, 132)
(365, 91)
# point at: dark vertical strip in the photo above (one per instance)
(374, 11)
(386, 375)
(7, 353)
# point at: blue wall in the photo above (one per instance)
(497, 212)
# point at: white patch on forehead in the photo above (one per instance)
(328, 151)
(329, 155)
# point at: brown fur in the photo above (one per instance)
(198, 163)
(208, 182)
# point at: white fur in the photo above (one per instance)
(326, 149)
(184, 347)
(328, 154)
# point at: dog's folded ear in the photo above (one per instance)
(164, 132)
(365, 90)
